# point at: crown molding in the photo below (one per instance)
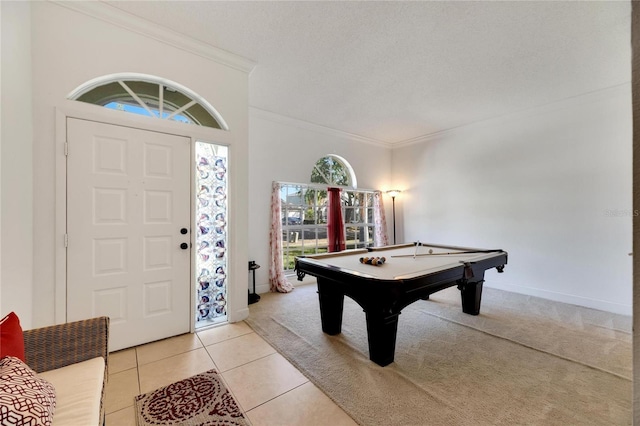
(623, 89)
(112, 15)
(305, 125)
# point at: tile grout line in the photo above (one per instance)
(202, 346)
(225, 340)
(220, 373)
(278, 396)
(250, 362)
(137, 374)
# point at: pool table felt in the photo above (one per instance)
(397, 268)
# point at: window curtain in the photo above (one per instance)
(335, 224)
(380, 237)
(277, 281)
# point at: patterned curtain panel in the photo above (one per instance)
(277, 281)
(380, 238)
(335, 224)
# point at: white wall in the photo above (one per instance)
(70, 48)
(16, 147)
(552, 186)
(286, 150)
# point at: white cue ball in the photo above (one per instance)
(430, 251)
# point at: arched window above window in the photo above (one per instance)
(333, 170)
(150, 96)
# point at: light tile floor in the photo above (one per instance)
(269, 390)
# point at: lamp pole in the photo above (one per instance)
(393, 203)
(394, 193)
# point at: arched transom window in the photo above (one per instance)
(304, 207)
(150, 96)
(333, 170)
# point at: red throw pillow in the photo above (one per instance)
(11, 339)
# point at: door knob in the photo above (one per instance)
(184, 231)
(184, 246)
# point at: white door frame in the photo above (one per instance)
(75, 109)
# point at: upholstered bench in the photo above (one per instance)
(73, 357)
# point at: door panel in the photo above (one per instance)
(128, 196)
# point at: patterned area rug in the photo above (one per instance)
(201, 400)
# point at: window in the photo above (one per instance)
(333, 171)
(162, 99)
(304, 221)
(357, 211)
(212, 255)
(304, 211)
(149, 96)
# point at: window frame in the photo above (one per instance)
(121, 79)
(298, 232)
(352, 182)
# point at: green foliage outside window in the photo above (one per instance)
(329, 170)
(304, 211)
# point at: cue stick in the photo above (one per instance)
(446, 253)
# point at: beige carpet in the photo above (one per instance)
(522, 361)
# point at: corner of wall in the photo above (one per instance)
(16, 167)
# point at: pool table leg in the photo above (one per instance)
(381, 331)
(471, 293)
(331, 305)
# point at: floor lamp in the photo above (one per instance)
(394, 193)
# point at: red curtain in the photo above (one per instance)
(335, 226)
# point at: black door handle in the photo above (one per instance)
(184, 231)
(184, 246)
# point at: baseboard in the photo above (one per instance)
(239, 315)
(264, 288)
(602, 305)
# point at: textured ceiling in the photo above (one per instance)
(396, 71)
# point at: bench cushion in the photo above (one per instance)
(25, 397)
(78, 392)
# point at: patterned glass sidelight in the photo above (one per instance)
(211, 233)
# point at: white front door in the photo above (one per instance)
(128, 226)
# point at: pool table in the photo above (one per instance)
(409, 273)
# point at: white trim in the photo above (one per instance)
(179, 110)
(609, 92)
(160, 100)
(137, 98)
(323, 186)
(134, 76)
(352, 173)
(84, 111)
(60, 251)
(192, 239)
(87, 111)
(238, 315)
(602, 305)
(115, 16)
(305, 125)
